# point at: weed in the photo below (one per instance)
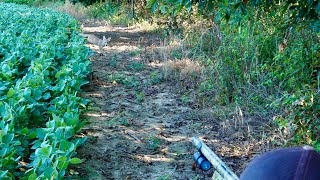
(146, 26)
(165, 177)
(140, 96)
(131, 81)
(153, 143)
(92, 173)
(185, 99)
(135, 52)
(116, 78)
(116, 15)
(176, 54)
(206, 85)
(93, 108)
(181, 154)
(123, 118)
(136, 66)
(114, 61)
(197, 125)
(124, 122)
(128, 81)
(97, 10)
(156, 77)
(77, 10)
(182, 69)
(299, 123)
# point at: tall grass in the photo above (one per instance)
(245, 67)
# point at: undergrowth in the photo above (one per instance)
(247, 65)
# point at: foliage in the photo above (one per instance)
(118, 12)
(300, 121)
(256, 55)
(128, 81)
(136, 66)
(114, 61)
(85, 2)
(19, 1)
(113, 12)
(153, 142)
(43, 65)
(156, 77)
(306, 12)
(97, 10)
(248, 69)
(139, 96)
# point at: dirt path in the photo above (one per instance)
(139, 129)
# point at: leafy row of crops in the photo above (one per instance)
(43, 64)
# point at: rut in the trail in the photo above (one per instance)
(138, 127)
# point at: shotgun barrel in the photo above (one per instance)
(224, 172)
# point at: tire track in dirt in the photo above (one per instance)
(138, 127)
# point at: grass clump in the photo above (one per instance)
(136, 66)
(128, 81)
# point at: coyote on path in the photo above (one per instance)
(97, 41)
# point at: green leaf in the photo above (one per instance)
(41, 133)
(75, 161)
(69, 132)
(27, 93)
(25, 131)
(32, 176)
(36, 162)
(43, 152)
(72, 121)
(37, 94)
(6, 139)
(62, 158)
(11, 92)
(55, 117)
(3, 174)
(154, 7)
(32, 135)
(71, 147)
(51, 124)
(46, 96)
(5, 68)
(2, 87)
(63, 165)
(61, 173)
(150, 3)
(64, 145)
(3, 152)
(36, 145)
(80, 141)
(1, 135)
(48, 172)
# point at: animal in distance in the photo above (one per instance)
(96, 40)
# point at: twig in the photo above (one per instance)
(133, 136)
(134, 102)
(132, 110)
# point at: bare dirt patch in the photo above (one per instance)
(139, 128)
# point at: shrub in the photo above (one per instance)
(244, 65)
